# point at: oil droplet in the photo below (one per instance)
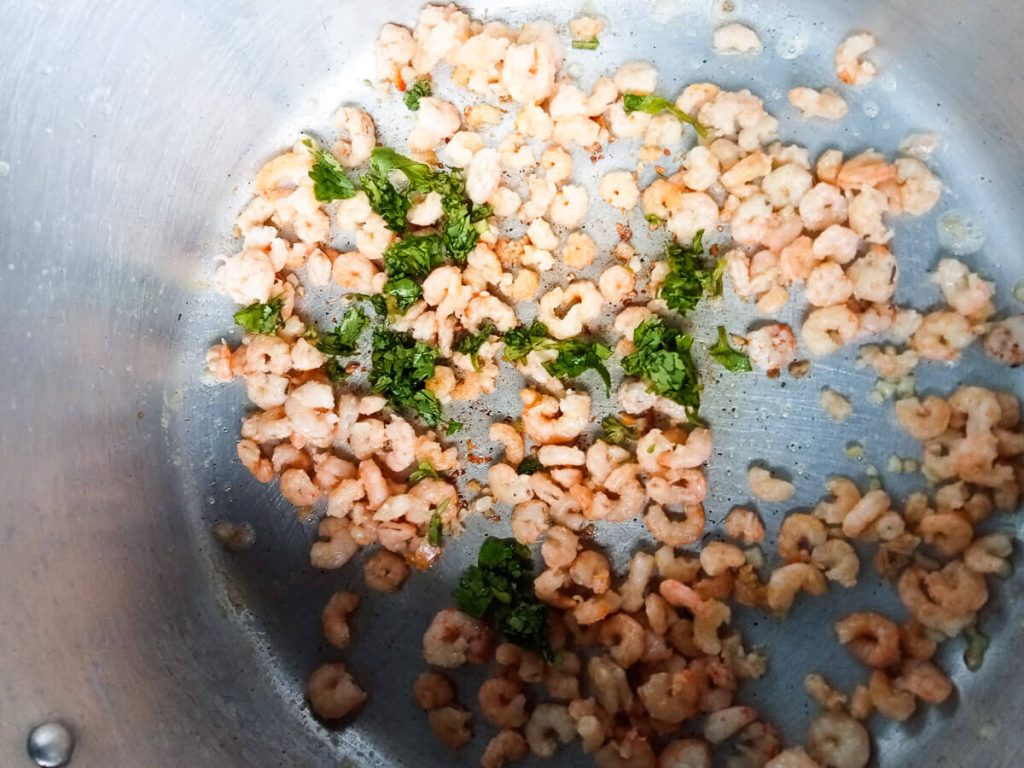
(960, 233)
(791, 46)
(870, 109)
(5, 168)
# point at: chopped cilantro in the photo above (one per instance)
(400, 367)
(687, 281)
(344, 339)
(616, 431)
(336, 371)
(655, 221)
(662, 359)
(655, 105)
(434, 532)
(401, 294)
(529, 465)
(423, 470)
(575, 357)
(330, 182)
(452, 427)
(585, 45)
(261, 318)
(470, 343)
(521, 341)
(376, 300)
(726, 356)
(385, 198)
(499, 589)
(415, 92)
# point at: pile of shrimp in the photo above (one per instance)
(638, 657)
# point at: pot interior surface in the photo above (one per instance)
(131, 136)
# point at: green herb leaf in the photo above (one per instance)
(415, 92)
(471, 343)
(529, 465)
(585, 45)
(662, 359)
(385, 198)
(688, 281)
(414, 256)
(616, 431)
(261, 318)
(452, 427)
(336, 370)
(480, 213)
(344, 339)
(376, 300)
(423, 470)
(655, 221)
(400, 367)
(977, 646)
(575, 357)
(435, 531)
(519, 342)
(330, 182)
(419, 175)
(499, 589)
(655, 105)
(401, 294)
(457, 231)
(726, 356)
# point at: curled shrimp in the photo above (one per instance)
(359, 137)
(454, 638)
(550, 421)
(870, 638)
(788, 580)
(836, 740)
(675, 533)
(850, 68)
(333, 693)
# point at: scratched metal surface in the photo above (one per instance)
(128, 137)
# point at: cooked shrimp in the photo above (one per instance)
(695, 212)
(549, 726)
(505, 747)
(990, 554)
(333, 693)
(823, 206)
(453, 639)
(825, 103)
(624, 638)
(725, 723)
(432, 690)
(359, 136)
(925, 680)
(567, 311)
(942, 336)
(736, 39)
(579, 250)
(503, 702)
(616, 284)
(744, 524)
(920, 189)
(838, 561)
(827, 329)
(336, 546)
(550, 421)
(788, 580)
(768, 488)
(1004, 341)
(675, 533)
(870, 638)
(850, 68)
(619, 190)
(670, 696)
(451, 726)
(771, 346)
(385, 571)
(925, 609)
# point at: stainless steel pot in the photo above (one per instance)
(129, 134)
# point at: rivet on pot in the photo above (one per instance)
(50, 744)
